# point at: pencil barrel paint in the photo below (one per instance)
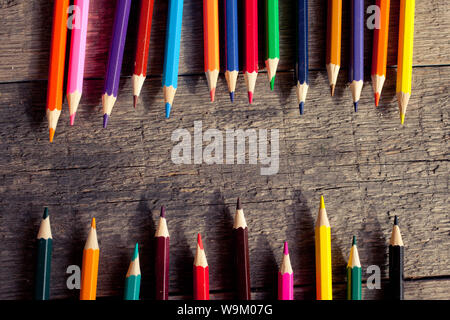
(43, 269)
(132, 287)
(231, 35)
(162, 268)
(201, 283)
(285, 286)
(242, 264)
(396, 286)
(302, 42)
(354, 283)
(143, 39)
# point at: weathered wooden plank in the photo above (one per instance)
(25, 32)
(367, 166)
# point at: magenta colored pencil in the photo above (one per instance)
(286, 277)
(77, 56)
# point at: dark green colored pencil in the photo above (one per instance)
(44, 259)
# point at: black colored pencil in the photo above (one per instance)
(240, 237)
(396, 249)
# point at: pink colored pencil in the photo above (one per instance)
(286, 277)
(77, 56)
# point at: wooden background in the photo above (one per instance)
(368, 167)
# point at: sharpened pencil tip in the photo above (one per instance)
(93, 226)
(332, 87)
(72, 119)
(163, 212)
(395, 221)
(105, 120)
(199, 241)
(354, 241)
(286, 249)
(212, 94)
(168, 107)
(238, 205)
(135, 101)
(272, 83)
(136, 251)
(232, 96)
(377, 99)
(45, 213)
(51, 134)
(250, 97)
(322, 203)
(301, 107)
(402, 118)
(355, 105)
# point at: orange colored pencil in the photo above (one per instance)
(56, 68)
(211, 43)
(380, 46)
(334, 28)
(89, 269)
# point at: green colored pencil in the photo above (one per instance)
(272, 40)
(354, 274)
(44, 259)
(133, 278)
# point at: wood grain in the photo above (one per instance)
(368, 167)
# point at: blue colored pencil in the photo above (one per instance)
(356, 72)
(172, 52)
(232, 45)
(302, 53)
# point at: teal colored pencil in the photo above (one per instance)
(354, 274)
(172, 52)
(44, 259)
(133, 278)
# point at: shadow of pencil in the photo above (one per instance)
(182, 264)
(269, 267)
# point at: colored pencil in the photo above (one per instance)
(89, 268)
(231, 45)
(380, 46)
(172, 52)
(44, 259)
(323, 255)
(302, 53)
(354, 274)
(133, 278)
(56, 68)
(162, 240)
(250, 46)
(142, 47)
(334, 29)
(405, 55)
(242, 260)
(201, 272)
(77, 58)
(286, 277)
(115, 58)
(396, 251)
(356, 71)
(211, 44)
(272, 40)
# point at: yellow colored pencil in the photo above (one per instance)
(89, 269)
(323, 255)
(405, 55)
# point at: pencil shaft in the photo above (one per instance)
(353, 283)
(78, 47)
(162, 268)
(172, 46)
(334, 28)
(380, 40)
(201, 283)
(302, 42)
(132, 287)
(114, 65)
(285, 286)
(43, 268)
(323, 263)
(143, 40)
(89, 274)
(356, 72)
(211, 34)
(242, 263)
(272, 40)
(231, 35)
(405, 46)
(251, 36)
(396, 272)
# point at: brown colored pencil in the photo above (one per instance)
(162, 240)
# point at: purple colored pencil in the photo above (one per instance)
(115, 58)
(356, 72)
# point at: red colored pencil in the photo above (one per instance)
(251, 46)
(162, 240)
(143, 42)
(201, 272)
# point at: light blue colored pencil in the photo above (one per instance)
(172, 52)
(133, 278)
